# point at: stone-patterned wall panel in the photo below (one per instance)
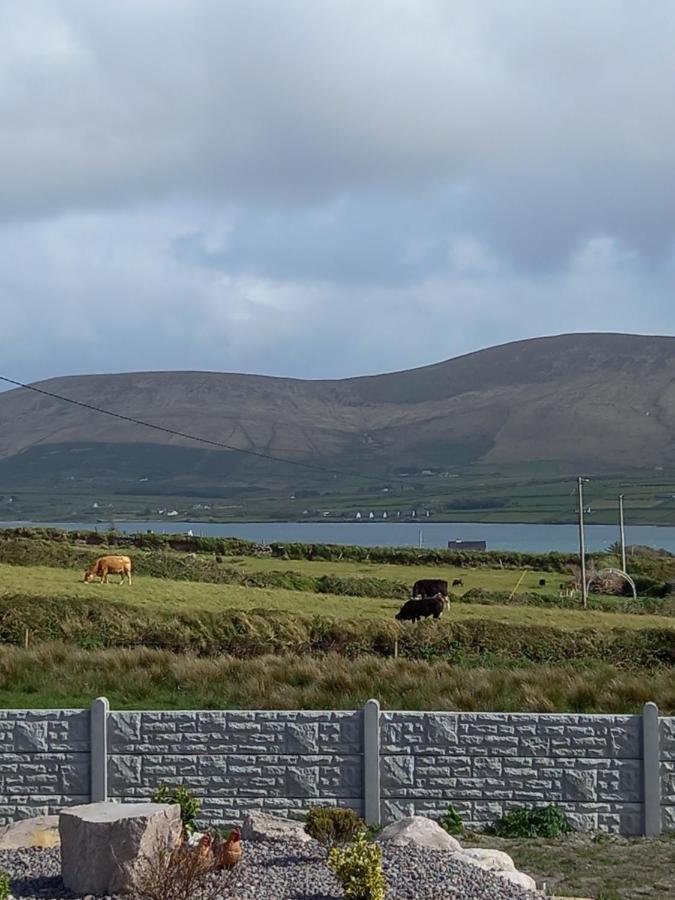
(44, 761)
(667, 738)
(237, 761)
(486, 764)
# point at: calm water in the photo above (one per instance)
(538, 538)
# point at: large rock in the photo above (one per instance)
(421, 832)
(520, 878)
(494, 860)
(498, 862)
(106, 847)
(38, 831)
(261, 827)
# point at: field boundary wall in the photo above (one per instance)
(611, 773)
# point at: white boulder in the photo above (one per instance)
(421, 832)
(494, 860)
(107, 847)
(38, 831)
(499, 863)
(519, 878)
(259, 826)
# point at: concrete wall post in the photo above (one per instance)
(651, 769)
(98, 748)
(371, 762)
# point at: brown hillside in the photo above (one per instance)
(599, 399)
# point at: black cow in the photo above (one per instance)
(542, 582)
(412, 610)
(457, 582)
(429, 587)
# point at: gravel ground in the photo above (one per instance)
(290, 871)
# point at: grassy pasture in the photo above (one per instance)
(167, 595)
(475, 577)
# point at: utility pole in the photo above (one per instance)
(582, 543)
(623, 534)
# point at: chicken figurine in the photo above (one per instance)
(228, 852)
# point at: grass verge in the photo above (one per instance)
(604, 867)
(59, 675)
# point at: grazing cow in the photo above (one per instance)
(426, 588)
(415, 609)
(109, 565)
(542, 582)
(457, 582)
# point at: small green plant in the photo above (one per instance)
(609, 894)
(333, 824)
(545, 822)
(5, 884)
(358, 866)
(189, 805)
(452, 821)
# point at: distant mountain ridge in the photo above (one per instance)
(605, 401)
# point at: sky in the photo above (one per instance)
(327, 188)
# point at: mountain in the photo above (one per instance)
(601, 402)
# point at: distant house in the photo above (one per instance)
(467, 545)
(358, 515)
(173, 512)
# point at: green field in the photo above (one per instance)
(537, 492)
(215, 630)
(165, 595)
(491, 579)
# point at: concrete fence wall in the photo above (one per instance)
(615, 773)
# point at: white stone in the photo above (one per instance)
(262, 827)
(519, 878)
(105, 847)
(421, 832)
(499, 863)
(494, 860)
(38, 831)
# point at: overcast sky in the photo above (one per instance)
(323, 188)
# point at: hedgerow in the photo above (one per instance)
(92, 624)
(552, 562)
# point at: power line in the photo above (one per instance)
(192, 437)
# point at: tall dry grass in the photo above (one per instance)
(54, 675)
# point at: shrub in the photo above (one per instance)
(177, 874)
(333, 824)
(545, 822)
(358, 866)
(5, 885)
(452, 821)
(189, 805)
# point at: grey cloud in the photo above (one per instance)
(326, 189)
(170, 314)
(561, 110)
(364, 239)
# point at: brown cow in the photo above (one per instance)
(109, 565)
